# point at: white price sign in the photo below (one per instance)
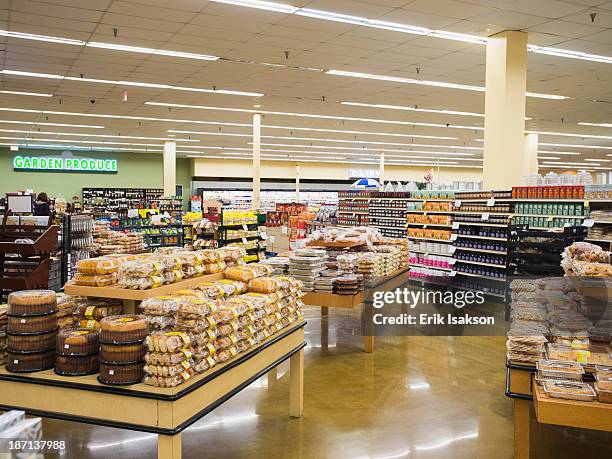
(455, 225)
(452, 261)
(244, 240)
(284, 229)
(452, 250)
(453, 237)
(484, 216)
(588, 222)
(245, 227)
(453, 273)
(457, 202)
(491, 202)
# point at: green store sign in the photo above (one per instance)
(65, 164)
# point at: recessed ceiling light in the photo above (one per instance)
(594, 147)
(565, 134)
(21, 93)
(97, 135)
(568, 153)
(569, 54)
(130, 83)
(309, 115)
(439, 84)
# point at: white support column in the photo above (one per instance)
(381, 171)
(256, 159)
(506, 84)
(297, 182)
(169, 168)
(531, 154)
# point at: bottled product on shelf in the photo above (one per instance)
(353, 208)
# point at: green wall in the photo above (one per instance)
(136, 170)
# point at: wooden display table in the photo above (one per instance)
(164, 411)
(328, 300)
(131, 298)
(523, 389)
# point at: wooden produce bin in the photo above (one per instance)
(163, 411)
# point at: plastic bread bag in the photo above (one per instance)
(189, 271)
(141, 268)
(196, 308)
(101, 265)
(231, 287)
(245, 344)
(212, 290)
(233, 253)
(97, 280)
(192, 325)
(167, 341)
(160, 305)
(167, 381)
(265, 285)
(94, 312)
(169, 262)
(212, 268)
(188, 258)
(211, 255)
(169, 370)
(244, 333)
(142, 283)
(227, 328)
(225, 354)
(167, 358)
(203, 351)
(160, 322)
(224, 342)
(170, 277)
(202, 365)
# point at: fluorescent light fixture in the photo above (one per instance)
(339, 131)
(40, 123)
(564, 153)
(160, 52)
(29, 36)
(130, 83)
(565, 163)
(549, 157)
(439, 84)
(569, 54)
(582, 123)
(310, 115)
(598, 160)
(97, 135)
(261, 5)
(21, 93)
(369, 151)
(594, 147)
(566, 134)
(415, 109)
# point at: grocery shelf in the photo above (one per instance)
(431, 253)
(470, 249)
(499, 279)
(387, 218)
(403, 228)
(431, 267)
(488, 238)
(449, 212)
(483, 223)
(549, 216)
(430, 200)
(353, 212)
(429, 224)
(492, 265)
(429, 239)
(482, 212)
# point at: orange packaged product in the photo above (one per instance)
(101, 265)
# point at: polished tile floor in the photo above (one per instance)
(414, 397)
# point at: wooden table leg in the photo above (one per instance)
(324, 311)
(296, 384)
(272, 376)
(521, 428)
(169, 446)
(368, 344)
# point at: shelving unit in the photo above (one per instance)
(354, 208)
(169, 235)
(601, 214)
(388, 212)
(428, 222)
(480, 237)
(254, 254)
(118, 200)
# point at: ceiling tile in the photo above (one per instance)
(565, 29)
(545, 8)
(151, 12)
(414, 18)
(447, 8)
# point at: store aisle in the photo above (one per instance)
(413, 397)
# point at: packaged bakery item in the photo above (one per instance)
(123, 329)
(167, 341)
(245, 344)
(188, 258)
(121, 374)
(224, 355)
(141, 268)
(197, 309)
(211, 255)
(160, 305)
(77, 365)
(97, 311)
(32, 325)
(89, 323)
(169, 262)
(32, 303)
(169, 358)
(212, 290)
(95, 280)
(31, 343)
(569, 390)
(30, 362)
(78, 341)
(122, 353)
(558, 369)
(603, 395)
(101, 265)
(265, 285)
(142, 283)
(248, 272)
(170, 277)
(166, 381)
(169, 370)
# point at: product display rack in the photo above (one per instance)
(600, 232)
(428, 224)
(387, 212)
(254, 254)
(354, 208)
(118, 200)
(169, 235)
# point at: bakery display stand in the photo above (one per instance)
(162, 411)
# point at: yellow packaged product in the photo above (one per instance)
(212, 268)
(170, 277)
(265, 284)
(141, 268)
(100, 265)
(196, 308)
(95, 280)
(225, 354)
(167, 341)
(166, 381)
(169, 370)
(210, 255)
(142, 283)
(167, 358)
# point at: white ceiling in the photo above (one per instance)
(247, 39)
